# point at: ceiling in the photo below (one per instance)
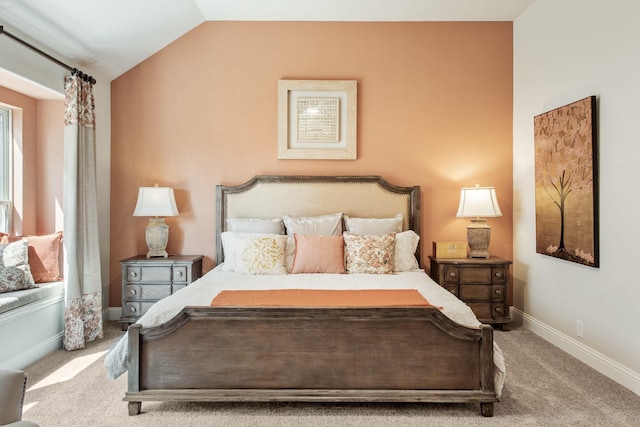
(111, 36)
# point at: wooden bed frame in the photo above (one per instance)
(385, 354)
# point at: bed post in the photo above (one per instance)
(486, 358)
(133, 363)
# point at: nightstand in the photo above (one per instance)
(145, 281)
(482, 283)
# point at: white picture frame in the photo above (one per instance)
(317, 119)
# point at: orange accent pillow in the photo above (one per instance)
(44, 252)
(318, 254)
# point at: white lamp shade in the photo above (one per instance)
(478, 202)
(156, 201)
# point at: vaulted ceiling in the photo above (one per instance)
(111, 36)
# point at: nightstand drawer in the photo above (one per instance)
(176, 288)
(179, 273)
(475, 293)
(451, 274)
(486, 312)
(499, 310)
(498, 292)
(453, 289)
(133, 274)
(481, 310)
(499, 275)
(136, 309)
(149, 273)
(475, 275)
(147, 291)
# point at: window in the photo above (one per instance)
(5, 170)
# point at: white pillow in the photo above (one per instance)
(228, 241)
(404, 258)
(323, 225)
(254, 253)
(256, 225)
(290, 253)
(366, 226)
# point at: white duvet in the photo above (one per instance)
(203, 290)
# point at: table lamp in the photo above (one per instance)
(477, 202)
(156, 202)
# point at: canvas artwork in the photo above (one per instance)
(566, 182)
(318, 120)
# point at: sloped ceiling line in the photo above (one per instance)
(111, 37)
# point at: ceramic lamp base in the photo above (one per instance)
(157, 235)
(478, 237)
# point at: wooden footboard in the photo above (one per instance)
(311, 354)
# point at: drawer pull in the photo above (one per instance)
(180, 274)
(499, 275)
(498, 291)
(499, 309)
(133, 274)
(452, 291)
(132, 292)
(133, 309)
(452, 274)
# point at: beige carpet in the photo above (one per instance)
(544, 387)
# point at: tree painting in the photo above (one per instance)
(566, 182)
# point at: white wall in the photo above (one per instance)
(46, 78)
(565, 51)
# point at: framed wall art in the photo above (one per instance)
(317, 119)
(566, 172)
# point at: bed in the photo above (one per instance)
(184, 348)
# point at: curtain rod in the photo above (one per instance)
(73, 71)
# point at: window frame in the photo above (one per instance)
(6, 169)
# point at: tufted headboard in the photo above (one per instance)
(271, 196)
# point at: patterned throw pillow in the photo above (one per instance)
(259, 254)
(15, 273)
(371, 254)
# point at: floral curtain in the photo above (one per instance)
(83, 287)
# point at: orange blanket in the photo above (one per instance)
(321, 298)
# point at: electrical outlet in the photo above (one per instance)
(579, 329)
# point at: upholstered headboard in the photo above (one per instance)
(272, 196)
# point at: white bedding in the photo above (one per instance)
(203, 290)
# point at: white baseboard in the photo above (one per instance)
(112, 313)
(598, 361)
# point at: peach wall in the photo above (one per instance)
(434, 109)
(38, 167)
(24, 156)
(50, 160)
